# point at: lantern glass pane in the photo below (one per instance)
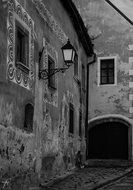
(67, 54)
(73, 55)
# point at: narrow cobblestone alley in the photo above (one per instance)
(124, 184)
(87, 178)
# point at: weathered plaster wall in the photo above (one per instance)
(57, 147)
(49, 149)
(17, 151)
(114, 39)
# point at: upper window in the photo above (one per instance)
(71, 118)
(22, 48)
(107, 71)
(20, 42)
(51, 79)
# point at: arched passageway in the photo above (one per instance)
(108, 140)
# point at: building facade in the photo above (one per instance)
(110, 117)
(42, 121)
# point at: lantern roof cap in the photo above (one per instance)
(68, 45)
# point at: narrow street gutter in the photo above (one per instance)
(58, 179)
(105, 183)
(101, 184)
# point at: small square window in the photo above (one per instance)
(107, 71)
(22, 47)
(51, 67)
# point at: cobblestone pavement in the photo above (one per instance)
(86, 179)
(124, 184)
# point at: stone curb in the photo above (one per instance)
(109, 181)
(58, 179)
(94, 187)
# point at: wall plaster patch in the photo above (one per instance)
(17, 13)
(52, 23)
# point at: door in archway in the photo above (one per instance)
(108, 140)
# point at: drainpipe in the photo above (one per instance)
(87, 102)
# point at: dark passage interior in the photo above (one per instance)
(108, 141)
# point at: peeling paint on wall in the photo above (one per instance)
(16, 149)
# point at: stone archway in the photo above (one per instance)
(108, 138)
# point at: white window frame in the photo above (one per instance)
(115, 70)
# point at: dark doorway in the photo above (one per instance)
(108, 140)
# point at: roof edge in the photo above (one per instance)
(79, 26)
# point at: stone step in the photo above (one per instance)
(34, 188)
(108, 163)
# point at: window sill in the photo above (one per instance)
(22, 67)
(104, 85)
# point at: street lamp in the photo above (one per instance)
(68, 52)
